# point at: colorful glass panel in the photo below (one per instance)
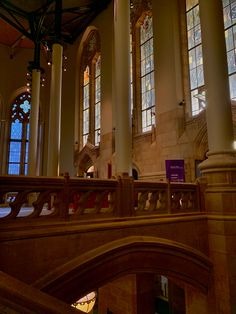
(196, 73)
(97, 101)
(86, 103)
(19, 135)
(229, 14)
(147, 74)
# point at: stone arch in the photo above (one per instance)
(85, 158)
(130, 255)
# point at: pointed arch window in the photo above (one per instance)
(97, 100)
(86, 101)
(19, 135)
(91, 90)
(195, 57)
(147, 74)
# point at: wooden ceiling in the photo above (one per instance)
(23, 23)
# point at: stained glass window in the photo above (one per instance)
(147, 74)
(91, 90)
(195, 57)
(86, 98)
(97, 100)
(131, 75)
(229, 11)
(19, 135)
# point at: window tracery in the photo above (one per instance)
(19, 135)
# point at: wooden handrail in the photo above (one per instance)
(73, 198)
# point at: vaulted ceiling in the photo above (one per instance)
(25, 23)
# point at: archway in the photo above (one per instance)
(129, 255)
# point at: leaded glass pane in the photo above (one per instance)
(225, 2)
(193, 78)
(15, 152)
(97, 89)
(98, 67)
(14, 169)
(97, 137)
(231, 61)
(196, 15)
(149, 99)
(190, 4)
(26, 152)
(146, 29)
(97, 116)
(232, 84)
(200, 76)
(199, 58)
(85, 137)
(86, 121)
(233, 12)
(227, 16)
(86, 76)
(26, 169)
(191, 40)
(25, 106)
(190, 21)
(27, 132)
(192, 59)
(234, 34)
(229, 39)
(197, 35)
(16, 130)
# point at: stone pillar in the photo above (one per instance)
(123, 129)
(55, 112)
(219, 170)
(195, 301)
(219, 116)
(167, 58)
(145, 285)
(34, 118)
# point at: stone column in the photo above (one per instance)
(123, 129)
(34, 117)
(167, 59)
(218, 109)
(219, 170)
(145, 293)
(55, 112)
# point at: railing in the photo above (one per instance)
(66, 198)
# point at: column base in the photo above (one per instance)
(219, 174)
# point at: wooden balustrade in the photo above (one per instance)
(76, 198)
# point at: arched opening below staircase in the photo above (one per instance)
(130, 255)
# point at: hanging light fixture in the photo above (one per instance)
(86, 303)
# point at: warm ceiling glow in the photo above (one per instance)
(86, 303)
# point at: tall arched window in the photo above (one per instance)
(229, 7)
(196, 74)
(86, 101)
(19, 135)
(147, 74)
(142, 66)
(97, 101)
(91, 90)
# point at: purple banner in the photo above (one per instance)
(175, 170)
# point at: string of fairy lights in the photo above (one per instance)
(48, 54)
